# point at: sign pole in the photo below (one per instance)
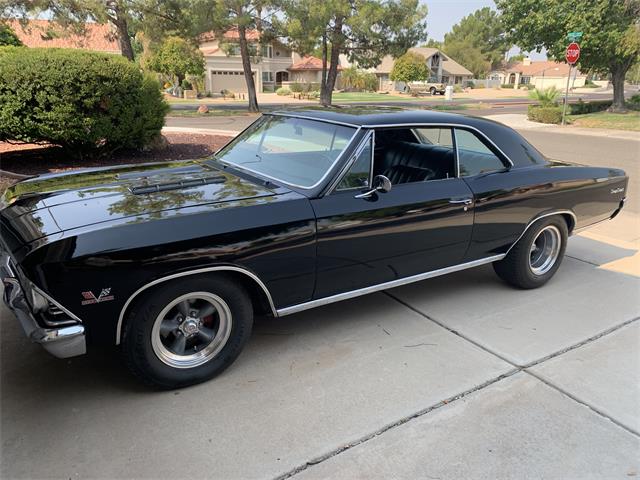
(566, 95)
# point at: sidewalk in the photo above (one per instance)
(519, 121)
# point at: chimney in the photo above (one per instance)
(526, 61)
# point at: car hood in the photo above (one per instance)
(53, 203)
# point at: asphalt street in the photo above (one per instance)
(454, 377)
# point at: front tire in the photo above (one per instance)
(187, 331)
(537, 256)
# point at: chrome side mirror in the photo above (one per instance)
(380, 184)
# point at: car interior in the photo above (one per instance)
(404, 156)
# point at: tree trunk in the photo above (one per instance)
(336, 42)
(246, 67)
(323, 80)
(120, 22)
(618, 73)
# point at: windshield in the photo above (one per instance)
(296, 151)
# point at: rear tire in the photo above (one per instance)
(187, 331)
(432, 91)
(537, 256)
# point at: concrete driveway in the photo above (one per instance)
(454, 377)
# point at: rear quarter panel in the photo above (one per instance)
(506, 202)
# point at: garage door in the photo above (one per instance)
(228, 80)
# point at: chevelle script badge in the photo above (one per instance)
(90, 297)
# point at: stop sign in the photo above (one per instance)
(573, 53)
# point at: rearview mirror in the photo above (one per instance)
(380, 184)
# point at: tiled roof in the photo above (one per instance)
(309, 63)
(231, 34)
(550, 68)
(44, 33)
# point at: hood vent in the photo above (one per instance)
(176, 185)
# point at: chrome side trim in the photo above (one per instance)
(185, 274)
(452, 125)
(383, 286)
(549, 214)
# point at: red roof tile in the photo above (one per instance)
(550, 68)
(44, 33)
(309, 63)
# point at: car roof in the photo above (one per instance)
(374, 115)
(508, 141)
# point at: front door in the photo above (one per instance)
(416, 227)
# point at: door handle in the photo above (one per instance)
(464, 201)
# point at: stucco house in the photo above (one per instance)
(224, 71)
(307, 69)
(443, 69)
(44, 33)
(540, 74)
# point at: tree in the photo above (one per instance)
(611, 33)
(177, 57)
(8, 36)
(483, 32)
(410, 67)
(237, 17)
(74, 14)
(469, 56)
(431, 43)
(363, 30)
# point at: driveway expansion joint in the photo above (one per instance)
(397, 423)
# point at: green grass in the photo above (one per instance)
(616, 121)
(212, 113)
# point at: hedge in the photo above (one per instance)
(507, 85)
(536, 113)
(283, 91)
(84, 101)
(581, 107)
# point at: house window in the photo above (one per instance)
(233, 49)
(267, 76)
(525, 80)
(267, 51)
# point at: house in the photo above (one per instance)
(44, 33)
(223, 70)
(307, 69)
(541, 74)
(443, 69)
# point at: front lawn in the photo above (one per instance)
(616, 121)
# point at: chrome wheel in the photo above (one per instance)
(191, 330)
(545, 250)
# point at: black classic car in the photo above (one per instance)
(171, 261)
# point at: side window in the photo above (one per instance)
(474, 157)
(435, 136)
(358, 175)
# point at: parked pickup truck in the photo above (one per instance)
(423, 87)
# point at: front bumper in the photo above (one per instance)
(62, 342)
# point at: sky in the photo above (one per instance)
(444, 14)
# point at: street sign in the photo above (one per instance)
(574, 36)
(573, 53)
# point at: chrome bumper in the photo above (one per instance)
(63, 342)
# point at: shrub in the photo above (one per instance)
(634, 102)
(581, 107)
(83, 101)
(295, 87)
(283, 91)
(545, 98)
(471, 84)
(186, 85)
(457, 89)
(357, 80)
(314, 94)
(507, 85)
(547, 114)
